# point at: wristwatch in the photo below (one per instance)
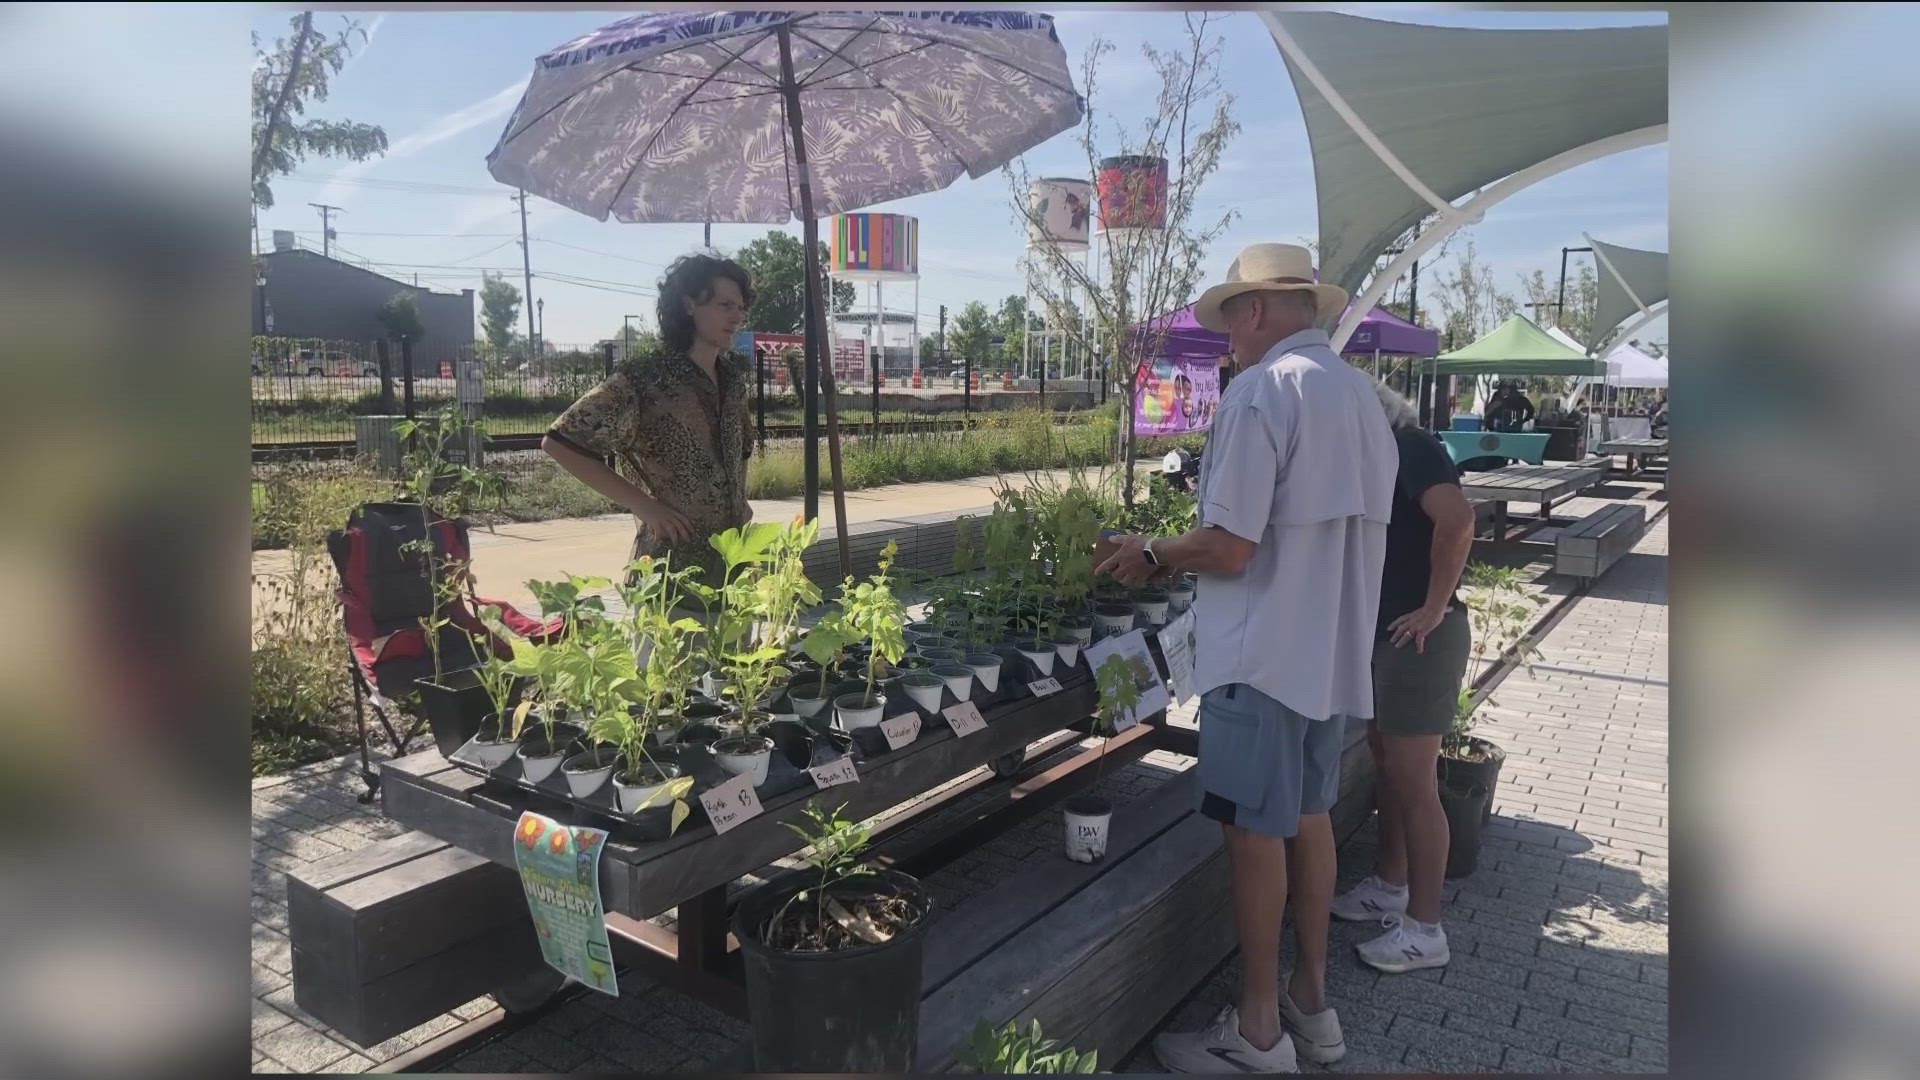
(1146, 551)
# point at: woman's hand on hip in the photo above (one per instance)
(664, 521)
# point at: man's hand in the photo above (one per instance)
(1414, 626)
(1128, 564)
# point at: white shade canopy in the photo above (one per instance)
(1628, 366)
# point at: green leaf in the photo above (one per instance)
(680, 812)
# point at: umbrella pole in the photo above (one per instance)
(819, 373)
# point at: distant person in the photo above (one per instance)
(1509, 410)
(1657, 418)
(674, 421)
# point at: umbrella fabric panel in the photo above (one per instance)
(1645, 271)
(681, 118)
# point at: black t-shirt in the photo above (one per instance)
(1403, 581)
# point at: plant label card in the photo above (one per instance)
(965, 719)
(731, 803)
(840, 770)
(560, 870)
(1044, 687)
(1133, 649)
(1176, 644)
(901, 730)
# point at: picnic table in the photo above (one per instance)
(1637, 451)
(1543, 485)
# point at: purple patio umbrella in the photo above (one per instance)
(764, 116)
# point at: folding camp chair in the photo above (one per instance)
(386, 592)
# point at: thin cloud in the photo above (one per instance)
(373, 31)
(488, 110)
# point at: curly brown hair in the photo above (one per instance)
(692, 277)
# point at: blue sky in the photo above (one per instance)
(443, 83)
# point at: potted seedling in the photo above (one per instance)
(825, 645)
(833, 958)
(1088, 816)
(1467, 761)
(1151, 604)
(551, 669)
(875, 616)
(492, 744)
(641, 780)
(1008, 1051)
(603, 676)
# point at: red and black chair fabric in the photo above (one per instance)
(387, 593)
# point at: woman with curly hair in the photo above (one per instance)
(667, 436)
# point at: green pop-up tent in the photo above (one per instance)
(1518, 348)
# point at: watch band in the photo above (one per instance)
(1146, 549)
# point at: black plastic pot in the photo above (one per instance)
(1459, 773)
(792, 739)
(454, 707)
(1463, 804)
(852, 1011)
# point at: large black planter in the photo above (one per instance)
(1463, 805)
(1486, 773)
(851, 1011)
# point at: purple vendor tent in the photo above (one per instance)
(1382, 331)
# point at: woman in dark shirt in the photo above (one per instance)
(1419, 662)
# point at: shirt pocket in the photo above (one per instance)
(1237, 744)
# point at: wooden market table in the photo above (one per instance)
(1543, 485)
(690, 872)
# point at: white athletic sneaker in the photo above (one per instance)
(1369, 901)
(1315, 1037)
(1404, 947)
(1222, 1049)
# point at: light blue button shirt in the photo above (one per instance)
(1302, 462)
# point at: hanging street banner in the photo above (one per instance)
(1178, 394)
(560, 871)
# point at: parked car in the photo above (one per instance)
(330, 363)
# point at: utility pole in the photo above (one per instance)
(526, 267)
(709, 236)
(326, 226)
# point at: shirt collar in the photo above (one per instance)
(1307, 338)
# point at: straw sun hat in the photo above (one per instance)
(1268, 268)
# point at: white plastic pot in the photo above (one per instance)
(1088, 817)
(583, 777)
(986, 668)
(1154, 612)
(806, 705)
(958, 677)
(1180, 598)
(752, 764)
(925, 690)
(1081, 634)
(1041, 657)
(491, 755)
(854, 713)
(633, 797)
(1110, 621)
(537, 767)
(1067, 647)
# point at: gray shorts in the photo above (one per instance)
(1262, 765)
(1414, 693)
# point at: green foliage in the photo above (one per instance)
(971, 333)
(1500, 609)
(1119, 694)
(826, 644)
(1005, 1051)
(873, 613)
(499, 309)
(400, 318)
(779, 283)
(293, 137)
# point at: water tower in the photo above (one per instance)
(1059, 214)
(878, 248)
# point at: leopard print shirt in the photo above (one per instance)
(682, 439)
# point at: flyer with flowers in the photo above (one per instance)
(560, 870)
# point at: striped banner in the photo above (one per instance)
(875, 243)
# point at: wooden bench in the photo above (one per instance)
(1588, 547)
(392, 936)
(1100, 954)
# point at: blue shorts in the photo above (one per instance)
(1262, 765)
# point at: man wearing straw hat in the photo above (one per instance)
(1295, 493)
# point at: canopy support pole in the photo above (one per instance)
(819, 375)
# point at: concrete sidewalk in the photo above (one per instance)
(507, 557)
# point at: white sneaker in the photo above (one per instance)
(1315, 1037)
(1369, 901)
(1222, 1049)
(1404, 948)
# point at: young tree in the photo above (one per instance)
(779, 284)
(970, 333)
(499, 310)
(1141, 274)
(1583, 296)
(1472, 305)
(1011, 323)
(294, 72)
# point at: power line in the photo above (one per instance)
(607, 254)
(326, 226)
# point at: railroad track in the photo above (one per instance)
(322, 449)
